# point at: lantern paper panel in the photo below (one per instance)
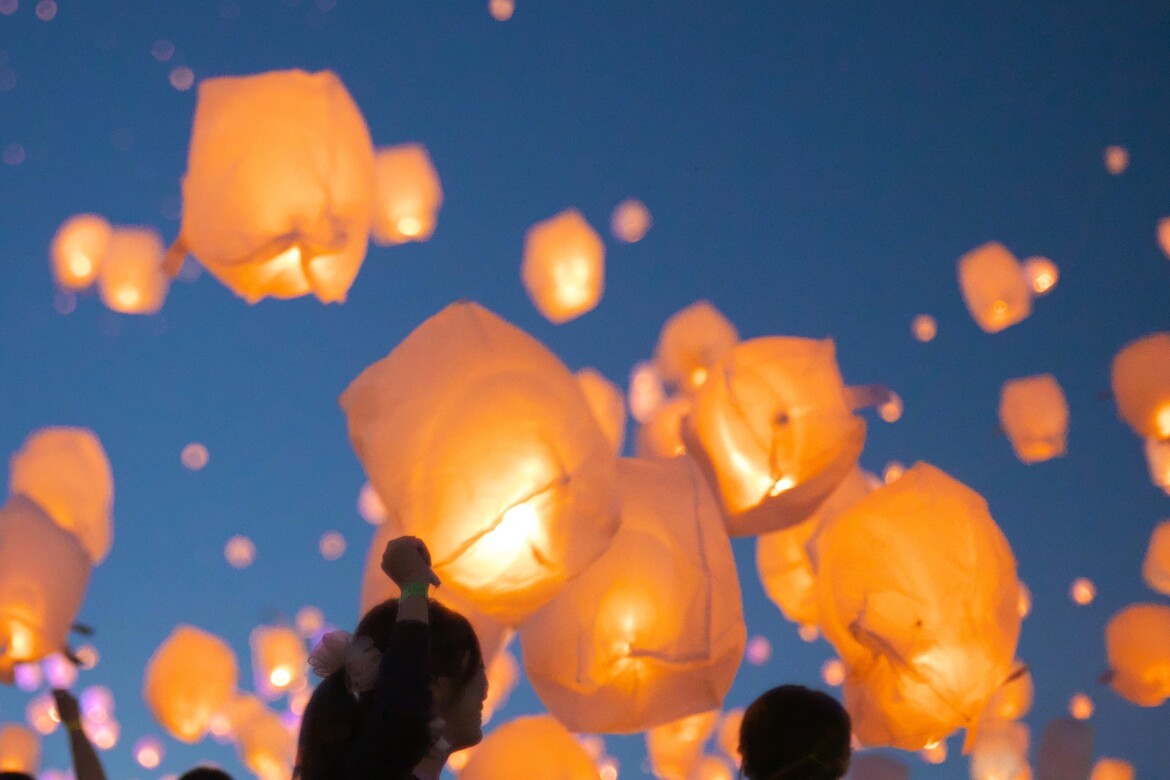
(608, 405)
(563, 269)
(1034, 414)
(20, 749)
(406, 206)
(1112, 769)
(279, 191)
(78, 249)
(661, 435)
(1156, 566)
(774, 434)
(691, 342)
(1000, 751)
(1137, 642)
(653, 631)
(36, 612)
(994, 287)
(67, 473)
(482, 444)
(1141, 385)
(926, 639)
(190, 678)
(265, 745)
(674, 748)
(132, 279)
(1013, 700)
(1158, 461)
(1065, 751)
(279, 660)
(532, 746)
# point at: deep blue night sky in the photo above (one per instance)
(813, 168)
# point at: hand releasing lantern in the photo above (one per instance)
(481, 443)
(190, 678)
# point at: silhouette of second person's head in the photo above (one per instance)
(205, 773)
(795, 733)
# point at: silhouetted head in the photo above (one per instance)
(795, 733)
(205, 773)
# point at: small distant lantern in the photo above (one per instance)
(67, 473)
(1082, 591)
(1116, 159)
(630, 221)
(1112, 769)
(78, 249)
(481, 442)
(1156, 566)
(775, 433)
(994, 288)
(132, 279)
(188, 680)
(532, 746)
(406, 206)
(924, 327)
(1137, 642)
(607, 403)
(674, 748)
(653, 630)
(501, 10)
(1158, 462)
(1042, 274)
(1034, 415)
(20, 749)
(691, 342)
(661, 435)
(279, 660)
(1080, 706)
(873, 766)
(1065, 751)
(265, 745)
(564, 266)
(1013, 700)
(1000, 752)
(1141, 385)
(279, 191)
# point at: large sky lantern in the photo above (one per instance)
(531, 746)
(1000, 751)
(775, 433)
(1112, 769)
(480, 441)
(20, 749)
(406, 206)
(132, 279)
(876, 766)
(190, 678)
(1156, 565)
(661, 435)
(608, 405)
(280, 661)
(1034, 414)
(994, 287)
(279, 191)
(653, 630)
(783, 561)
(926, 639)
(1137, 642)
(78, 249)
(1141, 385)
(1065, 751)
(563, 268)
(66, 471)
(265, 745)
(674, 748)
(36, 611)
(690, 343)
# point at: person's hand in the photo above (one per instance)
(67, 707)
(407, 560)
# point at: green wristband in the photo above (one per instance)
(415, 589)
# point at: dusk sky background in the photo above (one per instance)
(813, 169)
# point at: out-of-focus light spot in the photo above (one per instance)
(148, 752)
(332, 545)
(630, 221)
(97, 703)
(607, 768)
(924, 327)
(934, 753)
(833, 672)
(893, 471)
(194, 456)
(27, 677)
(458, 760)
(593, 744)
(1024, 601)
(1041, 274)
(64, 302)
(220, 727)
(8, 7)
(104, 735)
(46, 10)
(182, 78)
(1080, 706)
(239, 552)
(1083, 591)
(309, 620)
(370, 506)
(280, 677)
(808, 633)
(59, 671)
(1164, 235)
(13, 154)
(41, 714)
(891, 409)
(1116, 159)
(758, 650)
(88, 655)
(7, 79)
(162, 50)
(646, 392)
(501, 10)
(409, 226)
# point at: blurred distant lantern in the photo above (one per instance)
(66, 472)
(27, 676)
(782, 558)
(1112, 769)
(59, 671)
(691, 342)
(893, 471)
(239, 552)
(1013, 700)
(78, 249)
(1116, 159)
(131, 279)
(532, 746)
(646, 393)
(279, 191)
(775, 433)
(370, 505)
(408, 197)
(1141, 385)
(501, 10)
(97, 703)
(653, 631)
(88, 656)
(808, 633)
(480, 441)
(891, 409)
(1158, 461)
(1066, 750)
(758, 651)
(608, 405)
(1156, 566)
(1000, 752)
(1082, 591)
(279, 660)
(191, 676)
(194, 456)
(309, 620)
(148, 752)
(674, 748)
(630, 221)
(873, 766)
(503, 672)
(661, 435)
(103, 735)
(713, 768)
(926, 639)
(1080, 706)
(36, 611)
(20, 749)
(1042, 274)
(924, 327)
(41, 713)
(934, 752)
(331, 545)
(1137, 641)
(1034, 415)
(994, 287)
(265, 745)
(1164, 235)
(833, 672)
(564, 266)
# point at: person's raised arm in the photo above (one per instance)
(86, 764)
(407, 562)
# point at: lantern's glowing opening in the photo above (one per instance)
(1162, 421)
(999, 309)
(80, 265)
(127, 297)
(698, 377)
(19, 643)
(573, 281)
(409, 226)
(782, 484)
(280, 677)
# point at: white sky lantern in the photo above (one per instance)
(20, 749)
(280, 661)
(1065, 751)
(78, 249)
(1034, 415)
(480, 441)
(653, 630)
(674, 748)
(607, 403)
(279, 191)
(994, 287)
(535, 746)
(1156, 565)
(563, 268)
(409, 195)
(188, 680)
(692, 340)
(132, 279)
(1141, 385)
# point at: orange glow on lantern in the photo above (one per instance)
(279, 660)
(1080, 706)
(924, 327)
(1116, 159)
(692, 340)
(630, 221)
(1158, 461)
(408, 195)
(78, 249)
(1042, 274)
(533, 746)
(608, 405)
(1112, 769)
(1034, 414)
(20, 749)
(1082, 591)
(1013, 699)
(674, 748)
(191, 677)
(1137, 642)
(994, 288)
(131, 279)
(1156, 565)
(1140, 379)
(563, 268)
(661, 435)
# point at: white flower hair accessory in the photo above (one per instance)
(359, 658)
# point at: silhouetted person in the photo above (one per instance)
(795, 733)
(205, 773)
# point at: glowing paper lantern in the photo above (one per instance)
(994, 287)
(279, 191)
(1141, 385)
(630, 221)
(713, 768)
(608, 405)
(501, 10)
(1066, 751)
(533, 746)
(661, 435)
(1041, 274)
(1112, 769)
(775, 434)
(480, 441)
(279, 660)
(1013, 700)
(191, 676)
(66, 472)
(1156, 566)
(1158, 460)
(564, 266)
(1034, 415)
(409, 195)
(20, 749)
(1137, 641)
(1000, 752)
(691, 342)
(36, 611)
(926, 639)
(674, 748)
(653, 630)
(646, 392)
(148, 752)
(132, 279)
(1116, 159)
(1082, 591)
(503, 672)
(265, 746)
(924, 327)
(78, 249)
(1080, 706)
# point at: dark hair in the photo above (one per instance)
(334, 717)
(15, 776)
(205, 773)
(795, 733)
